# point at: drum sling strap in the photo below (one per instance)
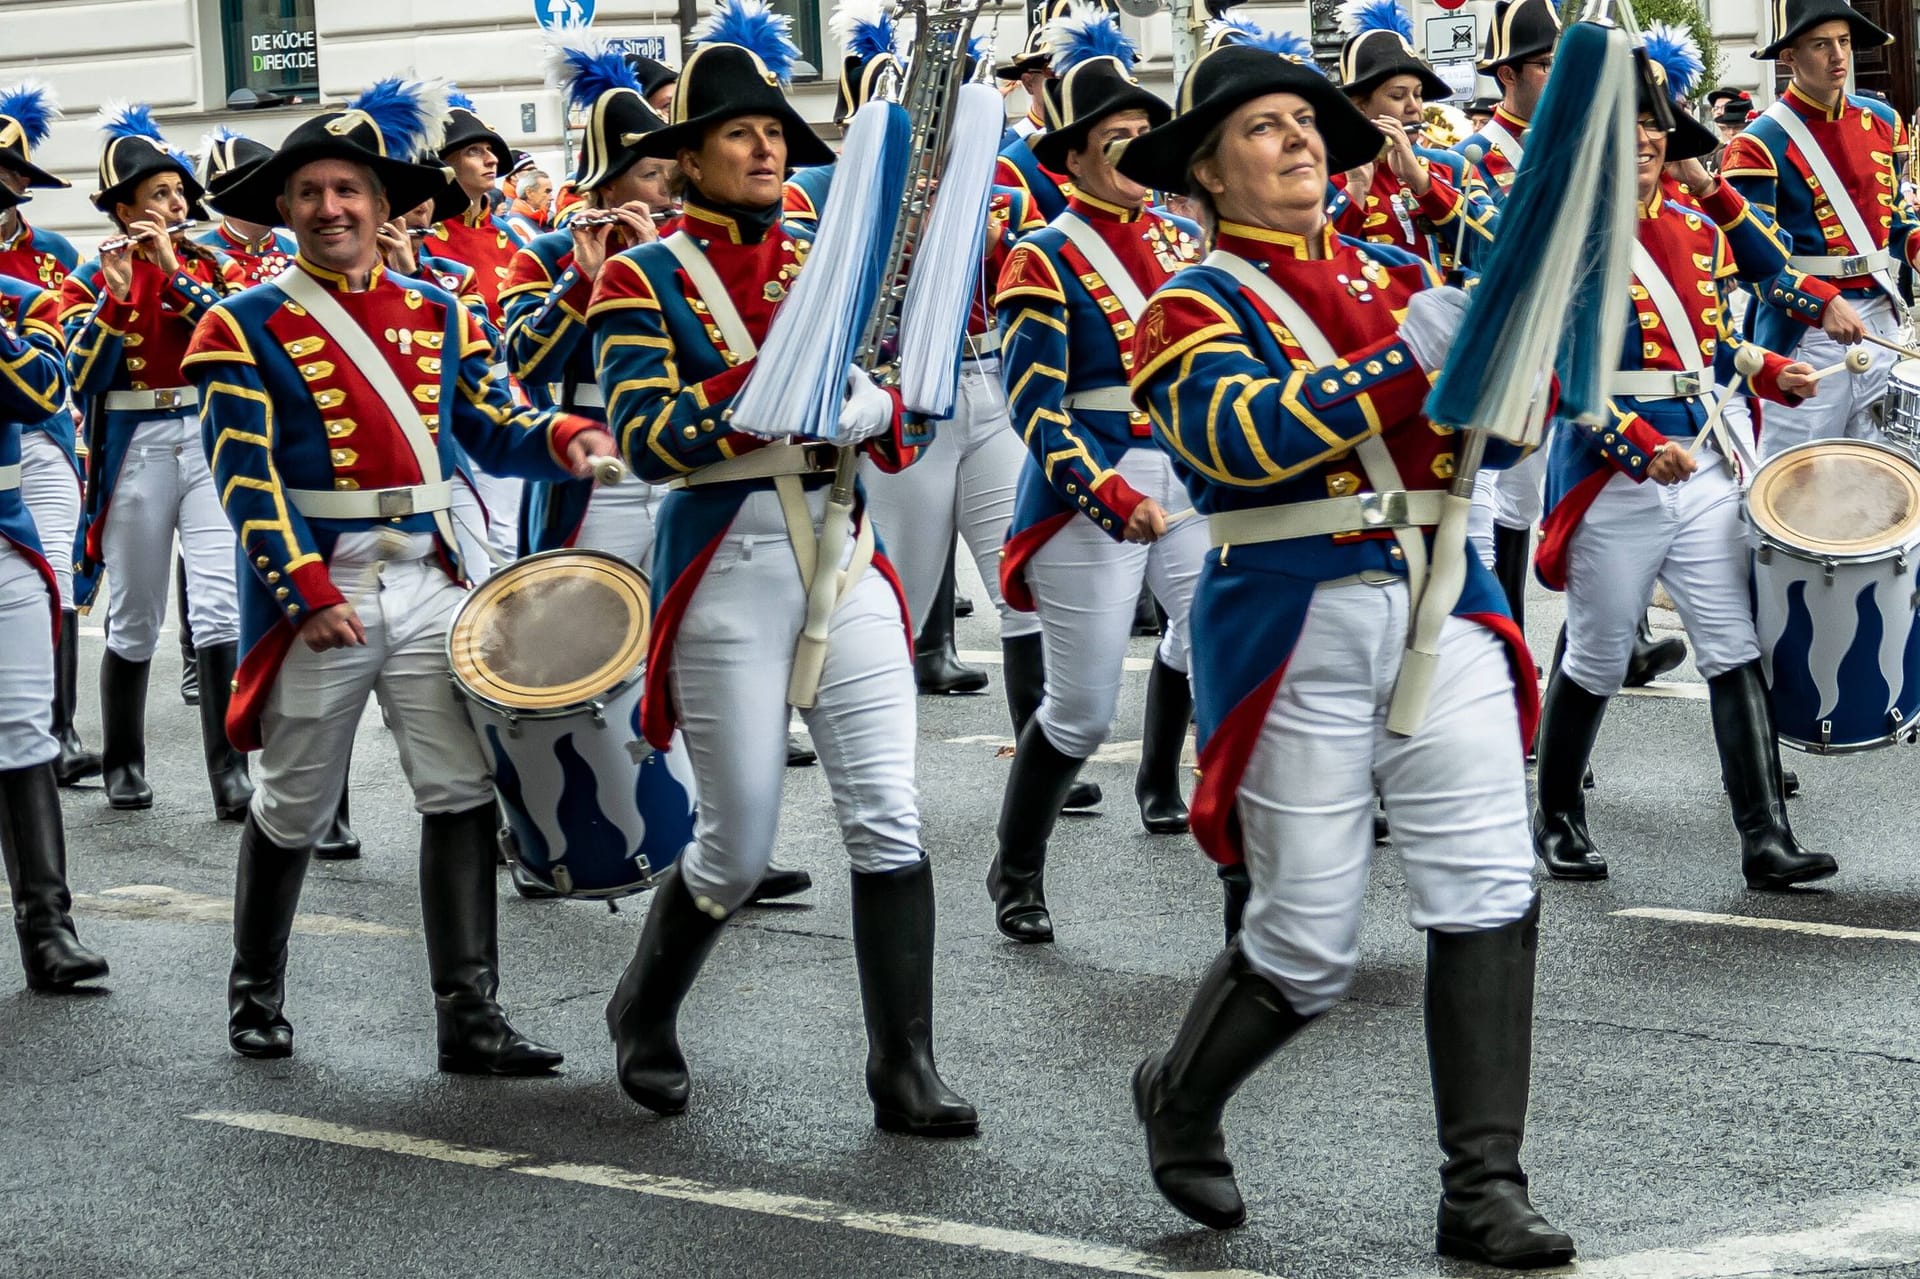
(793, 496)
(1673, 315)
(1843, 207)
(1504, 143)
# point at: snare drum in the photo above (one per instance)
(548, 654)
(1836, 537)
(1900, 411)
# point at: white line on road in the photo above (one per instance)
(157, 901)
(992, 657)
(1773, 925)
(1114, 752)
(1885, 1233)
(955, 1234)
(1685, 690)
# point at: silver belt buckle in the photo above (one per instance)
(820, 456)
(1686, 384)
(395, 503)
(1856, 265)
(167, 399)
(1378, 510)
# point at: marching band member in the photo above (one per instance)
(1289, 393)
(320, 394)
(1825, 166)
(50, 471)
(1019, 167)
(1628, 504)
(261, 252)
(1029, 69)
(1100, 509)
(656, 82)
(677, 324)
(129, 316)
(33, 841)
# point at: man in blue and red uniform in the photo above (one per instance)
(1019, 167)
(319, 395)
(30, 253)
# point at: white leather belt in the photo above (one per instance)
(1643, 384)
(981, 345)
(372, 504)
(1104, 399)
(171, 397)
(585, 396)
(9, 477)
(1842, 268)
(768, 463)
(1357, 513)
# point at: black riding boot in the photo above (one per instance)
(1770, 856)
(642, 1015)
(1569, 722)
(266, 895)
(1238, 887)
(34, 842)
(123, 735)
(1147, 617)
(1512, 553)
(1237, 1020)
(1157, 785)
(1652, 657)
(1036, 787)
(226, 767)
(936, 664)
(893, 946)
(1480, 1050)
(340, 844)
(1023, 671)
(76, 762)
(459, 908)
(189, 669)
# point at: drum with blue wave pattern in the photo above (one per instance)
(1836, 538)
(548, 654)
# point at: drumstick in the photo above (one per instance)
(608, 469)
(1857, 362)
(1746, 362)
(1905, 352)
(1474, 154)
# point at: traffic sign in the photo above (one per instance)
(1455, 36)
(553, 14)
(654, 46)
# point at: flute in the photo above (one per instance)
(605, 217)
(116, 243)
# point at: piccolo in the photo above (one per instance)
(606, 217)
(419, 232)
(119, 242)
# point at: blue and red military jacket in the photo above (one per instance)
(135, 345)
(40, 257)
(670, 377)
(1866, 142)
(35, 312)
(259, 261)
(1250, 422)
(283, 407)
(1496, 171)
(1427, 225)
(804, 197)
(1063, 332)
(33, 388)
(484, 242)
(1018, 169)
(1701, 262)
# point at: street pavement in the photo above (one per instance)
(1725, 1083)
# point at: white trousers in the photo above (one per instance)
(470, 531)
(731, 660)
(1690, 536)
(619, 521)
(51, 489)
(965, 480)
(311, 715)
(1085, 586)
(1841, 409)
(26, 664)
(1456, 793)
(164, 488)
(501, 496)
(1511, 498)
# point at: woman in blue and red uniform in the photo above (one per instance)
(1288, 390)
(677, 324)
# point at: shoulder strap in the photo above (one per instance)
(1277, 300)
(1667, 303)
(1504, 142)
(706, 282)
(1823, 171)
(1102, 259)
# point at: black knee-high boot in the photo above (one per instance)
(1569, 722)
(1024, 673)
(1238, 1020)
(936, 662)
(76, 762)
(189, 669)
(33, 840)
(1652, 657)
(643, 1015)
(123, 736)
(265, 897)
(1237, 887)
(340, 844)
(1036, 787)
(226, 767)
(1512, 549)
(1480, 1048)
(1770, 857)
(893, 947)
(1156, 787)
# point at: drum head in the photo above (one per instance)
(551, 631)
(1844, 498)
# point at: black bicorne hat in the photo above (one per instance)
(1521, 29)
(1221, 82)
(653, 74)
(9, 200)
(226, 159)
(1675, 61)
(603, 86)
(27, 113)
(1032, 54)
(1794, 18)
(1735, 108)
(867, 35)
(380, 130)
(1094, 61)
(135, 152)
(1380, 48)
(465, 127)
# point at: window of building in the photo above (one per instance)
(271, 48)
(806, 35)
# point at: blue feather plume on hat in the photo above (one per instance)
(755, 28)
(32, 104)
(1678, 54)
(865, 28)
(410, 115)
(119, 119)
(1086, 32)
(457, 97)
(585, 67)
(1360, 16)
(1285, 44)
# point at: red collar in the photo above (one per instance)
(1094, 210)
(1258, 244)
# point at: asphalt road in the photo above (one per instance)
(1713, 1095)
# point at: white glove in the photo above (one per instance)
(1433, 318)
(868, 410)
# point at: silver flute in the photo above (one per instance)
(116, 243)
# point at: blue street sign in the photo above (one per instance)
(553, 14)
(654, 47)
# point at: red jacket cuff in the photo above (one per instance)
(314, 585)
(561, 433)
(1440, 200)
(1723, 204)
(1766, 383)
(1119, 497)
(1644, 439)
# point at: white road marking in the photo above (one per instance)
(953, 1234)
(157, 901)
(1772, 925)
(1884, 1233)
(1114, 752)
(991, 657)
(1684, 690)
